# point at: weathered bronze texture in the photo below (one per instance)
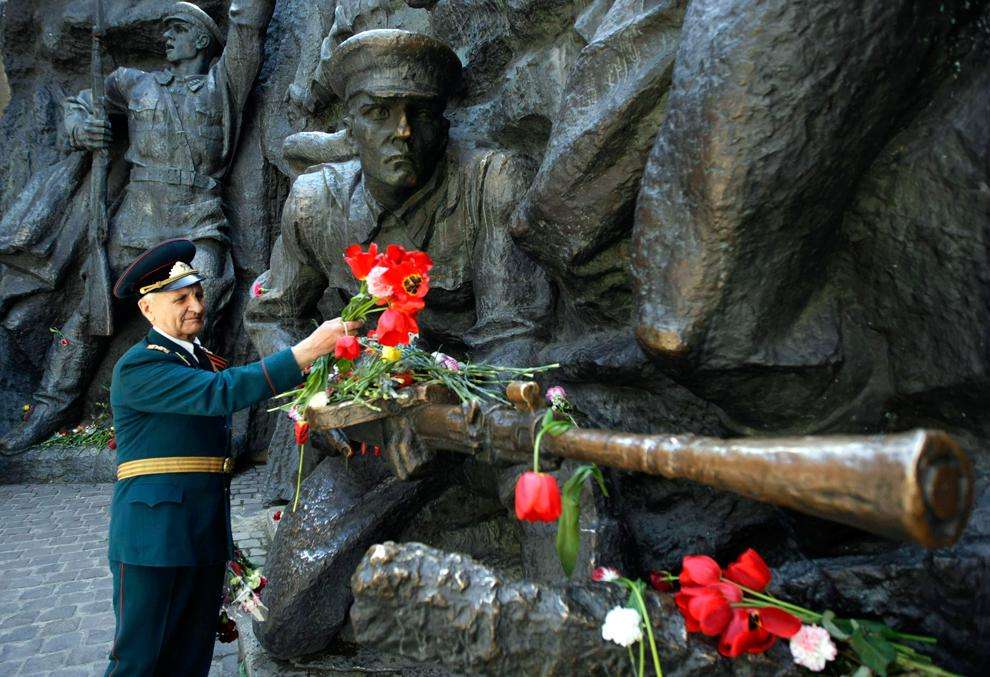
(915, 486)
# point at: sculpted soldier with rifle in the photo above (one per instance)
(182, 123)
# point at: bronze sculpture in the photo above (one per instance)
(183, 124)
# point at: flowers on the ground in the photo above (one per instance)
(257, 291)
(622, 626)
(537, 497)
(446, 361)
(605, 574)
(112, 443)
(226, 629)
(391, 354)
(625, 625)
(25, 412)
(812, 647)
(243, 584)
(555, 394)
(63, 340)
(733, 604)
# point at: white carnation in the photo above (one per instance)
(622, 626)
(318, 400)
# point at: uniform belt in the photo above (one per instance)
(165, 464)
(175, 177)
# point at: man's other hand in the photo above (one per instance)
(322, 341)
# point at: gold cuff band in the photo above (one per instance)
(157, 466)
(158, 285)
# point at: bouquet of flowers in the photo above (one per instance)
(365, 370)
(242, 586)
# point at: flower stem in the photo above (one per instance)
(649, 629)
(632, 661)
(815, 617)
(642, 659)
(295, 502)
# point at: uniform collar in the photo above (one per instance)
(192, 82)
(185, 345)
(418, 233)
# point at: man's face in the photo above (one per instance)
(399, 138)
(183, 41)
(179, 313)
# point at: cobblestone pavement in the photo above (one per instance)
(56, 611)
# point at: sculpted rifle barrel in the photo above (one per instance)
(915, 486)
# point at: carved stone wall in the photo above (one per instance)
(759, 216)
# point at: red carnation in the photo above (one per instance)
(347, 348)
(262, 582)
(236, 568)
(277, 515)
(394, 328)
(749, 570)
(537, 497)
(361, 262)
(112, 443)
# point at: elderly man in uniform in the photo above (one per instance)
(170, 517)
(183, 124)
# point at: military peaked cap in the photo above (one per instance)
(391, 62)
(164, 267)
(190, 13)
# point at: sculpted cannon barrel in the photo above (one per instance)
(915, 486)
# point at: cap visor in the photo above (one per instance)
(181, 283)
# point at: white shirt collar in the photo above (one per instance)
(188, 345)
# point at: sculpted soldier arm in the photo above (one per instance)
(242, 56)
(512, 293)
(284, 298)
(83, 130)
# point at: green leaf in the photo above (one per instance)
(568, 535)
(862, 671)
(830, 623)
(875, 652)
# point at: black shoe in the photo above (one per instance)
(41, 425)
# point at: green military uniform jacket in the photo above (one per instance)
(165, 404)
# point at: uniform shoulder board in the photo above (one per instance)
(163, 349)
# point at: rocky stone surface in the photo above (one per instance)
(59, 463)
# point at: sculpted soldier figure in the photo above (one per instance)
(183, 123)
(409, 186)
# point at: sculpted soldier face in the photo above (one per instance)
(179, 313)
(399, 139)
(184, 41)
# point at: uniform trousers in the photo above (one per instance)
(166, 619)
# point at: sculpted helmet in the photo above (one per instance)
(391, 62)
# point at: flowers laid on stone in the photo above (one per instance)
(364, 370)
(243, 583)
(625, 625)
(257, 290)
(733, 605)
(96, 433)
(63, 340)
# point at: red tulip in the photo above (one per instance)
(262, 583)
(756, 630)
(347, 348)
(749, 570)
(708, 607)
(394, 328)
(112, 443)
(699, 570)
(361, 262)
(302, 432)
(537, 497)
(277, 516)
(236, 568)
(404, 379)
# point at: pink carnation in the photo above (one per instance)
(812, 647)
(377, 285)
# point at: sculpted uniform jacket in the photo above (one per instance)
(164, 404)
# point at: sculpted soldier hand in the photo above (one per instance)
(170, 517)
(182, 125)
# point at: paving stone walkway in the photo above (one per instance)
(56, 611)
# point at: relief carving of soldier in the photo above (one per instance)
(182, 125)
(410, 186)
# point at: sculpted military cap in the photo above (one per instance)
(190, 13)
(164, 267)
(390, 62)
